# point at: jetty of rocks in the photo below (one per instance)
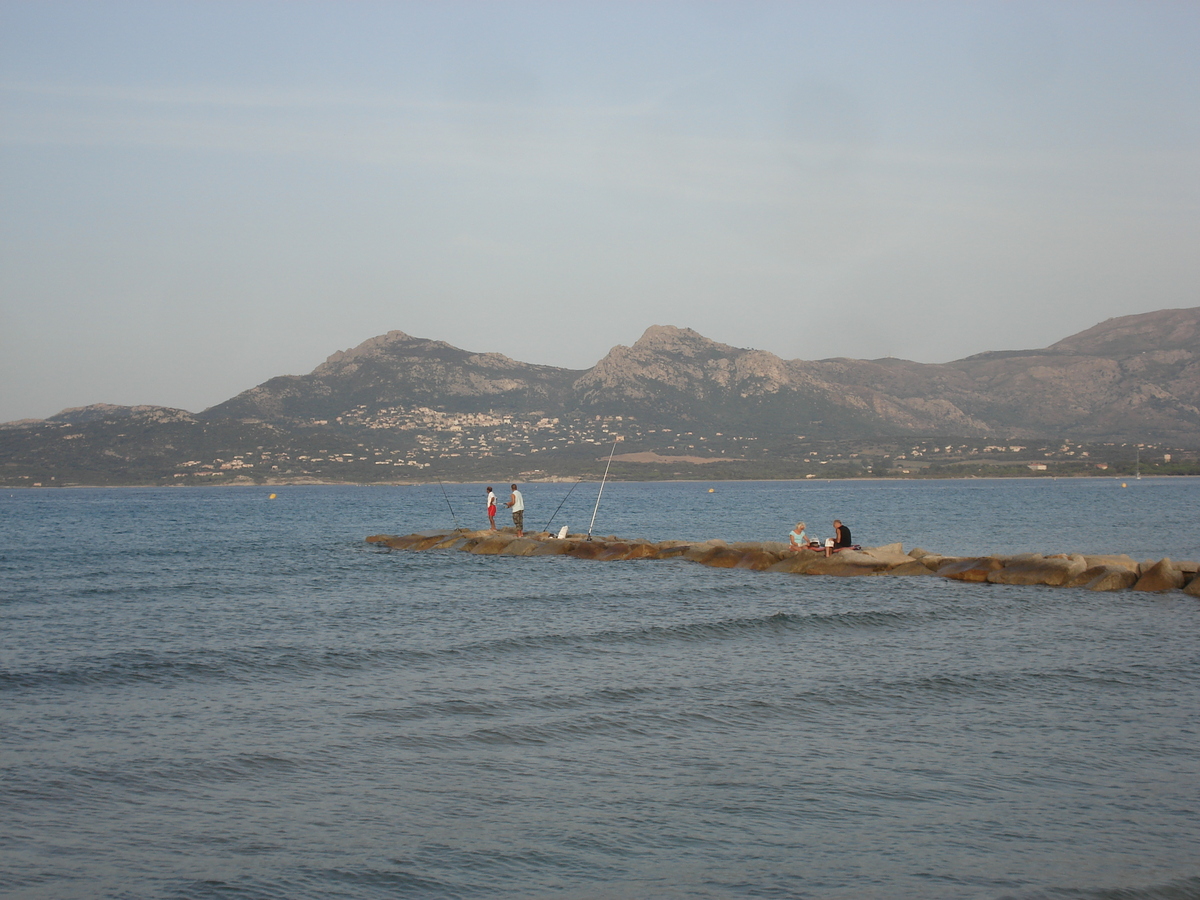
(1096, 573)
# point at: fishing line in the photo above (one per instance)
(564, 500)
(600, 493)
(452, 515)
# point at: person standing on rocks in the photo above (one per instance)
(491, 508)
(517, 505)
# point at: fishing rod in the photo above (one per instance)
(600, 493)
(564, 500)
(452, 515)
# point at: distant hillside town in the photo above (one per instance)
(1122, 397)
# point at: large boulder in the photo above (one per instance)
(1051, 570)
(1161, 576)
(671, 549)
(933, 561)
(422, 540)
(914, 567)
(758, 560)
(610, 550)
(642, 550)
(845, 565)
(1104, 578)
(522, 546)
(974, 569)
(721, 558)
(454, 542)
(890, 555)
(584, 549)
(1116, 559)
(1193, 587)
(797, 563)
(428, 542)
(493, 543)
(704, 551)
(552, 548)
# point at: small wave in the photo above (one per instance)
(241, 665)
(1183, 889)
(250, 664)
(334, 882)
(691, 631)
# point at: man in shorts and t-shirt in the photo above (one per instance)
(517, 504)
(491, 508)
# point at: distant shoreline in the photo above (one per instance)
(1125, 479)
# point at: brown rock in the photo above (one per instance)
(584, 549)
(642, 550)
(522, 546)
(671, 549)
(704, 551)
(892, 555)
(1105, 578)
(758, 560)
(971, 569)
(430, 541)
(552, 548)
(617, 550)
(1193, 588)
(721, 558)
(419, 541)
(1162, 576)
(796, 563)
(452, 541)
(843, 566)
(493, 544)
(1051, 570)
(914, 567)
(1121, 560)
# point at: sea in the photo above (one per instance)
(225, 692)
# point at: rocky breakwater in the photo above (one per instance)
(1096, 573)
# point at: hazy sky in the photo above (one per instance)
(195, 197)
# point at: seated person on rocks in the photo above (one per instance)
(840, 540)
(798, 539)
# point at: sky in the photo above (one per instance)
(198, 196)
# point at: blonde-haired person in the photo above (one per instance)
(798, 539)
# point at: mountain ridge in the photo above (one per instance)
(412, 404)
(1121, 377)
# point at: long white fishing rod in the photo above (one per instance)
(600, 493)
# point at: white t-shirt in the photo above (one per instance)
(518, 502)
(491, 501)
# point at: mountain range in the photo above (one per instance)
(1123, 379)
(1128, 379)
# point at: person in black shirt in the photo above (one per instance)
(841, 538)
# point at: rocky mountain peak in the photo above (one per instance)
(373, 346)
(678, 341)
(1126, 336)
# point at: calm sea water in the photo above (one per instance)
(208, 693)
